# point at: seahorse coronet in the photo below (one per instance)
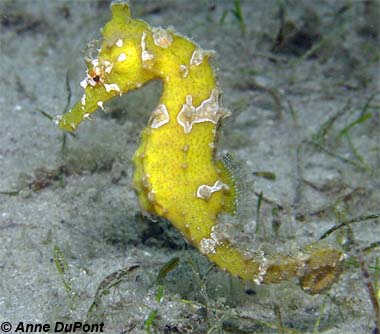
(176, 174)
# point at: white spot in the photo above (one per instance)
(122, 57)
(162, 37)
(119, 43)
(87, 116)
(198, 56)
(186, 116)
(107, 66)
(262, 272)
(204, 191)
(263, 267)
(151, 196)
(57, 119)
(111, 87)
(100, 104)
(160, 116)
(83, 100)
(207, 246)
(89, 80)
(145, 55)
(184, 70)
(145, 180)
(95, 62)
(84, 83)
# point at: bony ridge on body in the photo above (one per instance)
(176, 175)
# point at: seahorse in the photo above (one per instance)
(176, 173)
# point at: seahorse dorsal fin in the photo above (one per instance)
(229, 173)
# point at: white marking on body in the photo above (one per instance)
(184, 70)
(107, 66)
(162, 37)
(111, 87)
(145, 55)
(83, 100)
(204, 191)
(96, 71)
(57, 119)
(186, 116)
(145, 180)
(95, 62)
(119, 43)
(100, 104)
(160, 116)
(89, 80)
(84, 83)
(87, 116)
(198, 56)
(122, 57)
(263, 268)
(207, 111)
(151, 196)
(208, 245)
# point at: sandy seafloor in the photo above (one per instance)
(305, 109)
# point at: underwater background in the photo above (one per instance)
(301, 79)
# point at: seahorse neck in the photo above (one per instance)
(189, 74)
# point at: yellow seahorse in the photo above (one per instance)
(176, 175)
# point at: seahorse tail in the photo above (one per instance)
(316, 267)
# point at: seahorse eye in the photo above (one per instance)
(96, 78)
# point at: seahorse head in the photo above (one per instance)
(123, 59)
(116, 64)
